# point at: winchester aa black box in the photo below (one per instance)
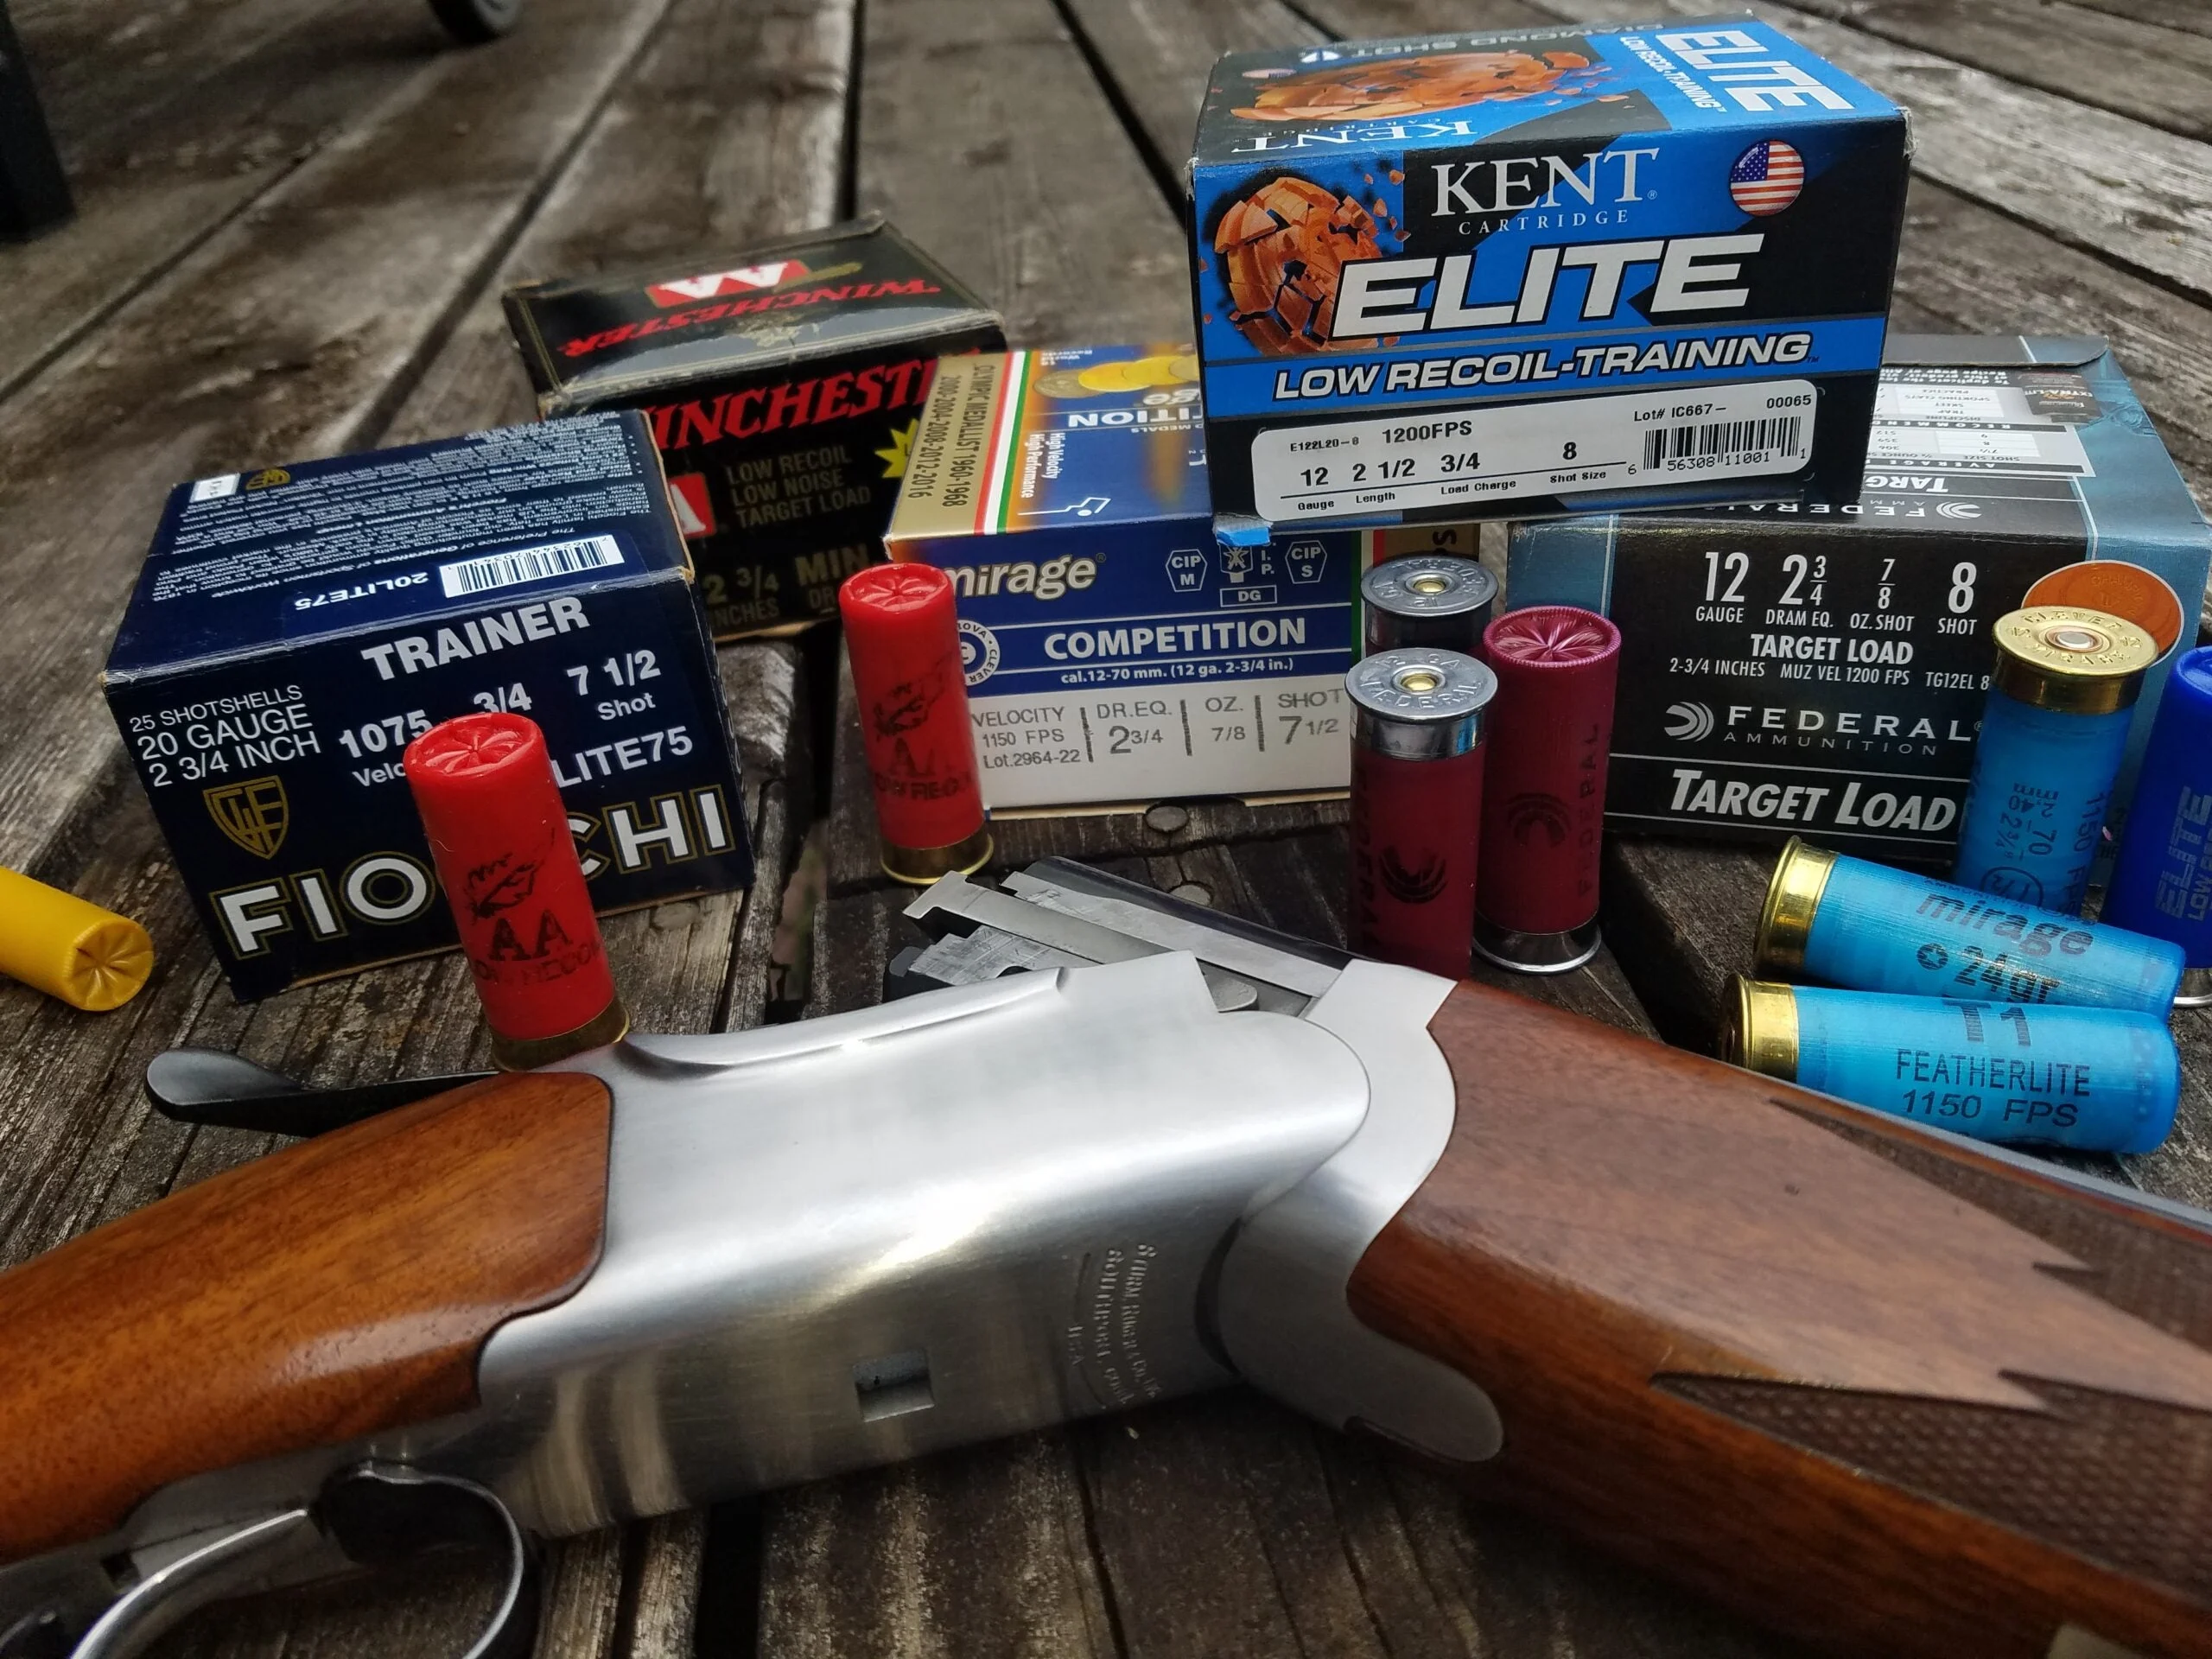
(296, 626)
(1820, 670)
(782, 384)
(1536, 271)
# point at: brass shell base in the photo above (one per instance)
(922, 865)
(1800, 875)
(1760, 1032)
(608, 1026)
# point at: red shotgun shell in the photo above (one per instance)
(499, 837)
(1543, 823)
(904, 638)
(1416, 805)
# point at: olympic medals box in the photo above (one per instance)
(1540, 271)
(1821, 671)
(294, 628)
(1115, 651)
(782, 383)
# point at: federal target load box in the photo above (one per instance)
(295, 627)
(1540, 271)
(782, 384)
(1817, 669)
(1115, 651)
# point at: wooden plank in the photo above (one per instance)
(2149, 71)
(1220, 1525)
(732, 129)
(171, 120)
(2127, 192)
(284, 335)
(985, 138)
(1155, 55)
(2189, 15)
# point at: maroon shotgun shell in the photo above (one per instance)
(1544, 811)
(1416, 805)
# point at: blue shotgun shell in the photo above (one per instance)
(2162, 882)
(2052, 735)
(2090, 1079)
(1866, 927)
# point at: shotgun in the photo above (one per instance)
(1886, 1390)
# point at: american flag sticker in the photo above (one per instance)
(1766, 177)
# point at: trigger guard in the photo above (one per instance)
(370, 1516)
(383, 1514)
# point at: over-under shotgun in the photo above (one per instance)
(1881, 1389)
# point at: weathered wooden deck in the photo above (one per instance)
(294, 219)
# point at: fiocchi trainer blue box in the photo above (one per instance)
(296, 626)
(1540, 271)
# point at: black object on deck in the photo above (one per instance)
(32, 192)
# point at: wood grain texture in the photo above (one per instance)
(2151, 71)
(2188, 14)
(2126, 191)
(1841, 1375)
(985, 137)
(172, 120)
(341, 1287)
(730, 131)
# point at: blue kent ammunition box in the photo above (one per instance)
(1818, 670)
(1115, 652)
(295, 627)
(1540, 271)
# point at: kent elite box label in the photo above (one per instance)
(1540, 271)
(1821, 671)
(782, 386)
(296, 626)
(1115, 651)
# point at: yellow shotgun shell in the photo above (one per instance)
(63, 945)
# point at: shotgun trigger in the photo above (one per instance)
(369, 1515)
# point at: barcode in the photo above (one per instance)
(527, 564)
(1721, 438)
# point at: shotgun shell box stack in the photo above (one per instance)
(1114, 651)
(1540, 271)
(295, 627)
(783, 384)
(1813, 670)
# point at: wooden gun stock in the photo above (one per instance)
(338, 1287)
(1875, 1389)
